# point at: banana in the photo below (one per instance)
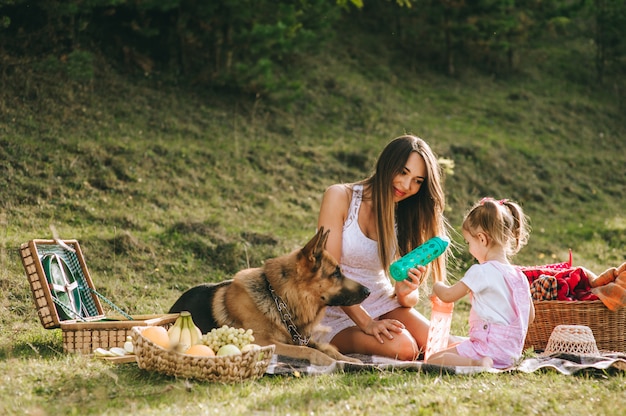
(196, 334)
(184, 333)
(185, 337)
(174, 332)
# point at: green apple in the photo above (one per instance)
(228, 349)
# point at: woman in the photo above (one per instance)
(404, 194)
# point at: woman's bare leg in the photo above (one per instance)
(414, 322)
(353, 340)
(406, 345)
(418, 326)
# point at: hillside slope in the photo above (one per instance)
(167, 186)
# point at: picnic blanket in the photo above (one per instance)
(563, 363)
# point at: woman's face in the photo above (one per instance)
(410, 180)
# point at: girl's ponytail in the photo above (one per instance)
(520, 229)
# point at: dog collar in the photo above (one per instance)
(286, 317)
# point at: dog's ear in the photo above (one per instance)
(315, 248)
(321, 242)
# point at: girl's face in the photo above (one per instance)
(410, 180)
(477, 245)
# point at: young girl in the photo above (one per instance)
(372, 223)
(502, 307)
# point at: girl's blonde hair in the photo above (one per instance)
(403, 226)
(503, 221)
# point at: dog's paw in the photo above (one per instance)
(351, 360)
(323, 360)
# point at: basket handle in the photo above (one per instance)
(111, 304)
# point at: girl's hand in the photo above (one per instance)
(378, 328)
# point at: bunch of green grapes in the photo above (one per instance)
(219, 337)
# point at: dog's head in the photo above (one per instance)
(325, 276)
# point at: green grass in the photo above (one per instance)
(78, 385)
(166, 187)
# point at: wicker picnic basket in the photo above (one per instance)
(249, 365)
(609, 327)
(85, 337)
(83, 323)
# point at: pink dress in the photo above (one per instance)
(359, 261)
(502, 295)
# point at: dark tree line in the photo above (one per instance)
(250, 44)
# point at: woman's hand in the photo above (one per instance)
(416, 275)
(383, 327)
(407, 290)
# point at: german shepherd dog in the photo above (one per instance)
(282, 301)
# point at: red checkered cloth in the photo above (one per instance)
(572, 282)
(545, 287)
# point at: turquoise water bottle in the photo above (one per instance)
(419, 256)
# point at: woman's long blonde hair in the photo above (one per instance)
(403, 226)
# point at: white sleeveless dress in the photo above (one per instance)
(359, 262)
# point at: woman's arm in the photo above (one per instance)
(333, 213)
(375, 327)
(450, 293)
(407, 290)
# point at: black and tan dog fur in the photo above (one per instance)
(306, 280)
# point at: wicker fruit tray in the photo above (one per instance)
(249, 365)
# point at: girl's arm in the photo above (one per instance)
(452, 293)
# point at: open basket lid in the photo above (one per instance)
(60, 282)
